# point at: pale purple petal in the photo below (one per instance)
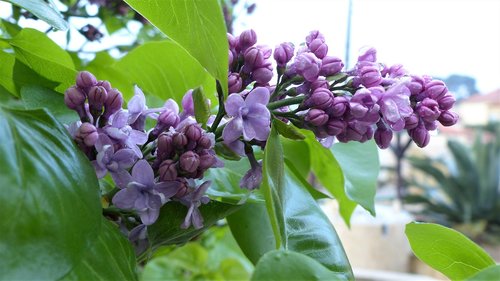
(237, 146)
(125, 158)
(259, 95)
(121, 178)
(172, 105)
(248, 131)
(99, 170)
(233, 130)
(327, 142)
(138, 233)
(168, 189)
(105, 155)
(187, 219)
(233, 104)
(187, 103)
(149, 216)
(197, 219)
(102, 140)
(125, 198)
(259, 111)
(138, 137)
(120, 119)
(115, 133)
(200, 191)
(143, 173)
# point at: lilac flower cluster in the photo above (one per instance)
(149, 168)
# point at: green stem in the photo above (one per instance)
(283, 85)
(285, 102)
(221, 111)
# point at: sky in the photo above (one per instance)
(434, 37)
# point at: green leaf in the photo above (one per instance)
(288, 265)
(273, 184)
(201, 107)
(45, 57)
(43, 11)
(110, 257)
(166, 230)
(102, 67)
(165, 70)
(360, 166)
(10, 28)
(39, 97)
(49, 196)
(329, 173)
(447, 250)
(489, 273)
(6, 72)
(307, 229)
(288, 131)
(197, 26)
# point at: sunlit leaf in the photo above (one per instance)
(43, 11)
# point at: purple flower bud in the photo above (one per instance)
(262, 75)
(411, 122)
(113, 103)
(416, 85)
(308, 66)
(435, 89)
(382, 136)
(167, 170)
(368, 135)
(74, 99)
(247, 39)
(318, 48)
(105, 84)
(188, 103)
(193, 132)
(446, 102)
(230, 59)
(335, 127)
(315, 34)
(85, 80)
(331, 66)
(88, 134)
(252, 178)
(97, 97)
(179, 140)
(370, 76)
(233, 41)
(189, 161)
(428, 110)
(266, 51)
(420, 135)
(316, 117)
(165, 147)
(207, 160)
(168, 118)
(448, 118)
(254, 58)
(234, 83)
(321, 98)
(368, 54)
(396, 71)
(339, 106)
(205, 142)
(320, 83)
(283, 53)
(430, 126)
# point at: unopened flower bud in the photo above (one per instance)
(182, 191)
(368, 54)
(114, 102)
(247, 39)
(335, 127)
(330, 66)
(74, 98)
(262, 75)
(411, 122)
(321, 98)
(179, 140)
(448, 118)
(283, 53)
(168, 118)
(165, 147)
(189, 161)
(435, 89)
(396, 71)
(233, 41)
(88, 134)
(307, 66)
(97, 97)
(416, 85)
(205, 142)
(167, 170)
(320, 83)
(85, 80)
(105, 84)
(428, 110)
(234, 83)
(430, 126)
(383, 136)
(420, 136)
(446, 102)
(339, 106)
(313, 35)
(370, 76)
(193, 132)
(318, 48)
(316, 117)
(207, 160)
(254, 58)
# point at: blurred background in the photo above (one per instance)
(454, 181)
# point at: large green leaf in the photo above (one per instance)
(165, 70)
(329, 173)
(272, 186)
(6, 72)
(45, 57)
(307, 229)
(447, 250)
(489, 273)
(198, 26)
(53, 102)
(110, 257)
(360, 166)
(288, 265)
(44, 11)
(49, 197)
(166, 230)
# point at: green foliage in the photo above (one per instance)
(489, 273)
(288, 265)
(6, 72)
(36, 97)
(201, 107)
(44, 11)
(447, 250)
(197, 26)
(466, 187)
(49, 197)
